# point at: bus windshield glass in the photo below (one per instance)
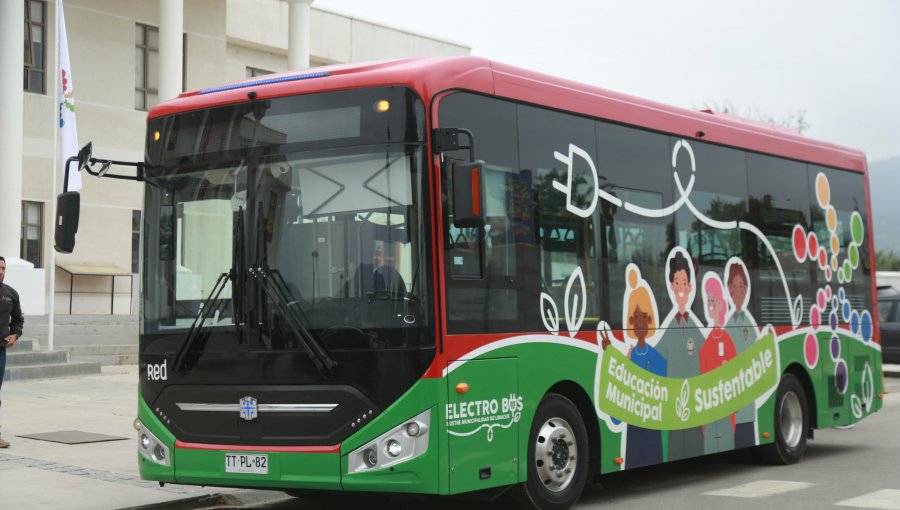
(311, 205)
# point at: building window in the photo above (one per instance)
(32, 232)
(135, 240)
(35, 41)
(146, 67)
(253, 72)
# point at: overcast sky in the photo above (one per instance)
(839, 60)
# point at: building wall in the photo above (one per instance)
(222, 39)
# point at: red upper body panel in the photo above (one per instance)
(430, 76)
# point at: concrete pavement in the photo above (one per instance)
(43, 475)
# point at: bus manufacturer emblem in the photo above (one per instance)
(249, 409)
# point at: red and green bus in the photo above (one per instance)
(447, 275)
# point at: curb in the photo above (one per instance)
(205, 501)
(248, 497)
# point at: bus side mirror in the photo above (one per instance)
(68, 210)
(468, 195)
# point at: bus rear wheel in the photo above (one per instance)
(791, 424)
(557, 457)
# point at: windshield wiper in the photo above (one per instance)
(212, 301)
(276, 289)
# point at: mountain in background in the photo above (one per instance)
(884, 187)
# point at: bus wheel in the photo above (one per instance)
(791, 424)
(557, 457)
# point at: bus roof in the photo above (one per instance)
(430, 76)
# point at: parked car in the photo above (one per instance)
(889, 323)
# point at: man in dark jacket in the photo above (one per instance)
(11, 322)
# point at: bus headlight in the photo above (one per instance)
(151, 448)
(393, 448)
(403, 442)
(370, 457)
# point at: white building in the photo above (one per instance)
(171, 46)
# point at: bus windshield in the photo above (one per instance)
(319, 230)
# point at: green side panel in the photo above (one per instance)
(540, 365)
(865, 380)
(482, 421)
(611, 449)
(880, 390)
(845, 373)
(765, 419)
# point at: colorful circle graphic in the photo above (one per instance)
(848, 271)
(853, 255)
(811, 350)
(799, 243)
(865, 325)
(823, 190)
(815, 318)
(831, 218)
(841, 381)
(835, 347)
(857, 229)
(854, 322)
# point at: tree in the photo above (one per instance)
(887, 261)
(795, 120)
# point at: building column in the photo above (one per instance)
(12, 62)
(171, 48)
(298, 33)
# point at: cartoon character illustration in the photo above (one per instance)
(716, 351)
(643, 446)
(680, 345)
(742, 328)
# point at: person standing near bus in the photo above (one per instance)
(680, 345)
(11, 322)
(742, 328)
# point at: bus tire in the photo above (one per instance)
(791, 424)
(557, 457)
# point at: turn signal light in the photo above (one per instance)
(382, 106)
(462, 388)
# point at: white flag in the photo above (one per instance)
(68, 136)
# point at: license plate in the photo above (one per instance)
(257, 464)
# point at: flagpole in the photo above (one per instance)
(55, 171)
